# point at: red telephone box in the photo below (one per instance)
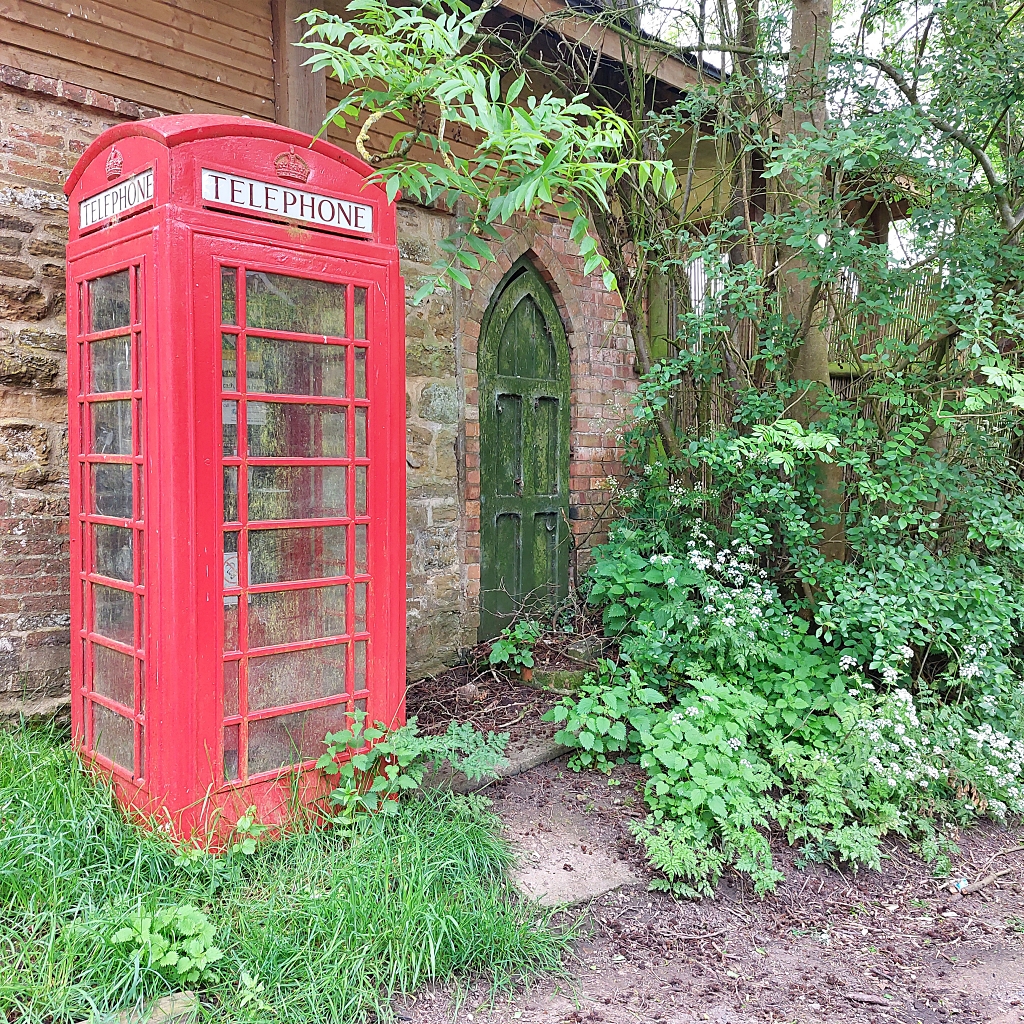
(236, 381)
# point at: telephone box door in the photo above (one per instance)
(304, 489)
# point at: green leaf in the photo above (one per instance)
(515, 89)
(459, 276)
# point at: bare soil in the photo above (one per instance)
(493, 701)
(827, 947)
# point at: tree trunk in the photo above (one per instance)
(802, 305)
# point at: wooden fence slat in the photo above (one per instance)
(252, 15)
(34, 62)
(180, 92)
(99, 46)
(155, 22)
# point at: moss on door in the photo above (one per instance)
(524, 453)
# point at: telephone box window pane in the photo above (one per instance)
(229, 427)
(359, 310)
(113, 675)
(297, 492)
(112, 552)
(295, 677)
(111, 361)
(112, 490)
(113, 736)
(230, 688)
(112, 427)
(361, 552)
(228, 289)
(278, 367)
(230, 561)
(231, 623)
(140, 541)
(287, 616)
(274, 302)
(230, 494)
(299, 553)
(289, 739)
(361, 432)
(112, 614)
(360, 623)
(360, 372)
(109, 302)
(360, 490)
(296, 430)
(231, 753)
(229, 362)
(360, 671)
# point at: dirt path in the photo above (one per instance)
(826, 947)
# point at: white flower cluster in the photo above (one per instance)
(1005, 763)
(901, 750)
(891, 663)
(677, 494)
(970, 663)
(736, 592)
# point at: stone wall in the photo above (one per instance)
(40, 140)
(437, 626)
(42, 134)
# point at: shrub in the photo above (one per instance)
(764, 687)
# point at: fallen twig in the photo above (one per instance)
(986, 881)
(867, 997)
(1003, 853)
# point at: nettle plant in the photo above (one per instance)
(515, 644)
(378, 768)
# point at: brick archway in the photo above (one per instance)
(602, 380)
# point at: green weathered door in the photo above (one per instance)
(524, 453)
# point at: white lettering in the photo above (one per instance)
(116, 201)
(266, 199)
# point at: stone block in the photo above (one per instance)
(46, 247)
(24, 370)
(23, 302)
(12, 223)
(23, 443)
(17, 269)
(439, 403)
(53, 341)
(417, 446)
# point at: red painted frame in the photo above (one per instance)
(174, 247)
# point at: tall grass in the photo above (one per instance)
(326, 928)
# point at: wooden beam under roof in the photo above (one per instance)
(602, 38)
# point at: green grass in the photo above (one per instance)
(328, 928)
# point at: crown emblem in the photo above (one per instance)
(114, 164)
(291, 166)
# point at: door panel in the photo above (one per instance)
(524, 428)
(508, 459)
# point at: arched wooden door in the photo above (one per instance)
(524, 452)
